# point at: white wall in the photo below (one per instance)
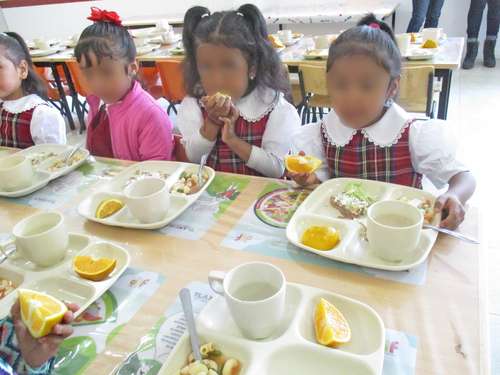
(61, 20)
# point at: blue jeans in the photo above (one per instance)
(476, 15)
(425, 10)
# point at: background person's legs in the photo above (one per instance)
(473, 24)
(418, 15)
(491, 33)
(433, 13)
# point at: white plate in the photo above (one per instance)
(352, 248)
(44, 52)
(148, 48)
(146, 32)
(421, 53)
(293, 349)
(60, 280)
(43, 174)
(115, 187)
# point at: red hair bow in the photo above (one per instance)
(102, 15)
(374, 25)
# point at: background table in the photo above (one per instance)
(447, 313)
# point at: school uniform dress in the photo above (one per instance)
(28, 121)
(396, 149)
(267, 122)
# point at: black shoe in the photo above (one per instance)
(489, 59)
(470, 56)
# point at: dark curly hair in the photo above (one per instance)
(244, 29)
(373, 38)
(17, 51)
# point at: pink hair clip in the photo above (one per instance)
(374, 25)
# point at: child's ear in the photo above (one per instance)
(394, 87)
(23, 69)
(133, 68)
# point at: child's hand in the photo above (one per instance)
(304, 179)
(217, 106)
(36, 352)
(228, 133)
(451, 209)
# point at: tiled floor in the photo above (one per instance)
(474, 114)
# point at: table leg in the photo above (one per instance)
(444, 96)
(64, 101)
(74, 95)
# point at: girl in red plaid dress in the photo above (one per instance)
(248, 128)
(367, 135)
(25, 116)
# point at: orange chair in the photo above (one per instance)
(172, 80)
(81, 89)
(150, 80)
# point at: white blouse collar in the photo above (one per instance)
(23, 104)
(259, 103)
(383, 133)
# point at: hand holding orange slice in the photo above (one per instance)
(40, 312)
(93, 269)
(330, 325)
(302, 163)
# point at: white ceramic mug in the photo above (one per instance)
(16, 173)
(390, 241)
(148, 199)
(41, 43)
(285, 35)
(322, 41)
(434, 33)
(404, 43)
(255, 294)
(163, 25)
(41, 238)
(168, 37)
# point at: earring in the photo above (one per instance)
(252, 77)
(389, 102)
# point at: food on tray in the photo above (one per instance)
(425, 205)
(188, 183)
(93, 269)
(40, 312)
(330, 325)
(353, 201)
(320, 237)
(108, 207)
(302, 163)
(6, 287)
(213, 362)
(61, 163)
(413, 37)
(430, 43)
(297, 35)
(39, 157)
(139, 174)
(276, 41)
(177, 51)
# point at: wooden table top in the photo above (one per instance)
(447, 313)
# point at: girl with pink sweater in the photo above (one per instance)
(125, 122)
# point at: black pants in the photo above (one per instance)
(476, 15)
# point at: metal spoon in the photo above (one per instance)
(452, 233)
(185, 296)
(72, 152)
(200, 169)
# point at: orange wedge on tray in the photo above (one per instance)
(108, 207)
(302, 163)
(40, 312)
(93, 269)
(330, 325)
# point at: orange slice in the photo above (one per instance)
(40, 312)
(320, 237)
(108, 207)
(275, 41)
(430, 43)
(93, 269)
(302, 164)
(330, 325)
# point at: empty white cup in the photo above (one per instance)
(322, 41)
(148, 199)
(16, 173)
(393, 229)
(42, 238)
(404, 43)
(255, 294)
(432, 33)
